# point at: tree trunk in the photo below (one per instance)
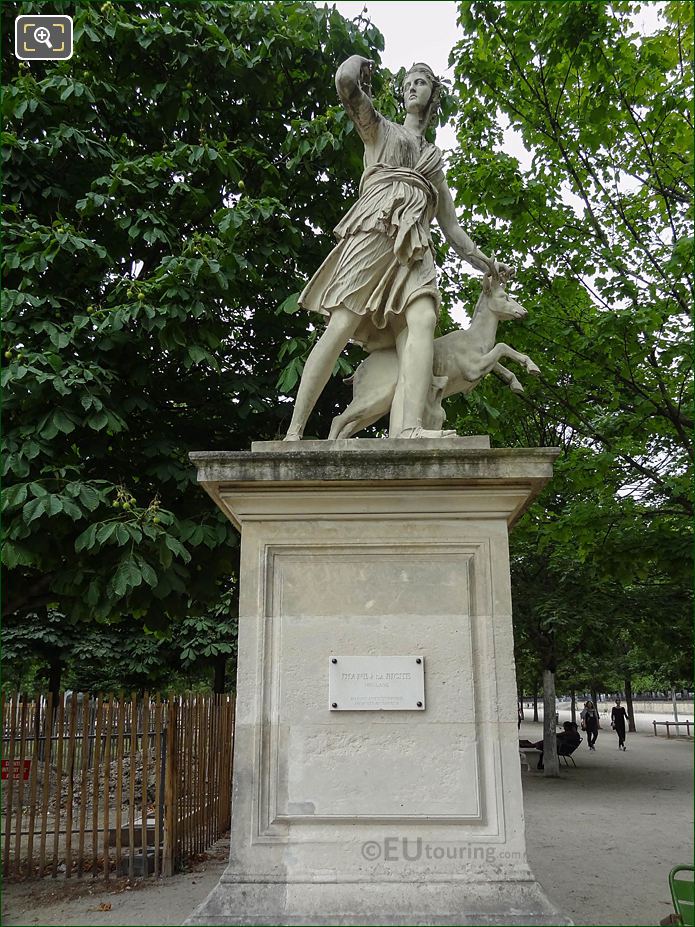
(628, 701)
(535, 704)
(521, 705)
(594, 699)
(573, 705)
(551, 761)
(675, 704)
(55, 671)
(219, 670)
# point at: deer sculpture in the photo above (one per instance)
(461, 360)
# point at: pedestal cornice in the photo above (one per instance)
(374, 464)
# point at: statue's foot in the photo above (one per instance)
(420, 432)
(292, 436)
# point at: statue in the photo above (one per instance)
(378, 286)
(461, 359)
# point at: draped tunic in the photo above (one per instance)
(384, 258)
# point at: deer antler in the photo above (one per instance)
(498, 275)
(491, 275)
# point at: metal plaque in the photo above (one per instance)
(376, 683)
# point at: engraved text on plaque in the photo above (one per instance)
(376, 683)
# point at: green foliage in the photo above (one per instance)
(165, 192)
(120, 656)
(600, 226)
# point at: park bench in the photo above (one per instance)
(524, 758)
(669, 724)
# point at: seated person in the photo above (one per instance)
(567, 741)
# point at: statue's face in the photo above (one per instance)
(417, 91)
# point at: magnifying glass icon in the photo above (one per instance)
(42, 35)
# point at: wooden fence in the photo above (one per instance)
(113, 786)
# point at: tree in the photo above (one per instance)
(599, 226)
(165, 193)
(48, 651)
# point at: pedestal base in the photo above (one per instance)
(376, 903)
(389, 550)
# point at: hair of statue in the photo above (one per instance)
(433, 102)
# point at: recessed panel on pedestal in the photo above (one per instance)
(377, 608)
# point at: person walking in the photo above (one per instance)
(589, 720)
(618, 719)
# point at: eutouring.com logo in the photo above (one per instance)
(397, 849)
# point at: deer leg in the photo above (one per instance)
(434, 415)
(338, 424)
(353, 420)
(508, 378)
(357, 424)
(503, 350)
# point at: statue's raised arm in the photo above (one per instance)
(353, 82)
(378, 286)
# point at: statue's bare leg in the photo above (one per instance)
(415, 349)
(396, 413)
(319, 366)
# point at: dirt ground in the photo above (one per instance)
(601, 840)
(58, 903)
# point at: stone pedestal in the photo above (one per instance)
(376, 548)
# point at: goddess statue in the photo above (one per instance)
(378, 286)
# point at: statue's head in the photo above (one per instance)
(421, 90)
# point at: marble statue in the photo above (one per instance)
(461, 359)
(378, 286)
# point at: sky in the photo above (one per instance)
(426, 30)
(414, 31)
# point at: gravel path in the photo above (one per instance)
(601, 840)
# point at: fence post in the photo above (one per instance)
(170, 776)
(46, 784)
(106, 763)
(72, 746)
(120, 748)
(145, 745)
(20, 785)
(9, 756)
(159, 765)
(60, 750)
